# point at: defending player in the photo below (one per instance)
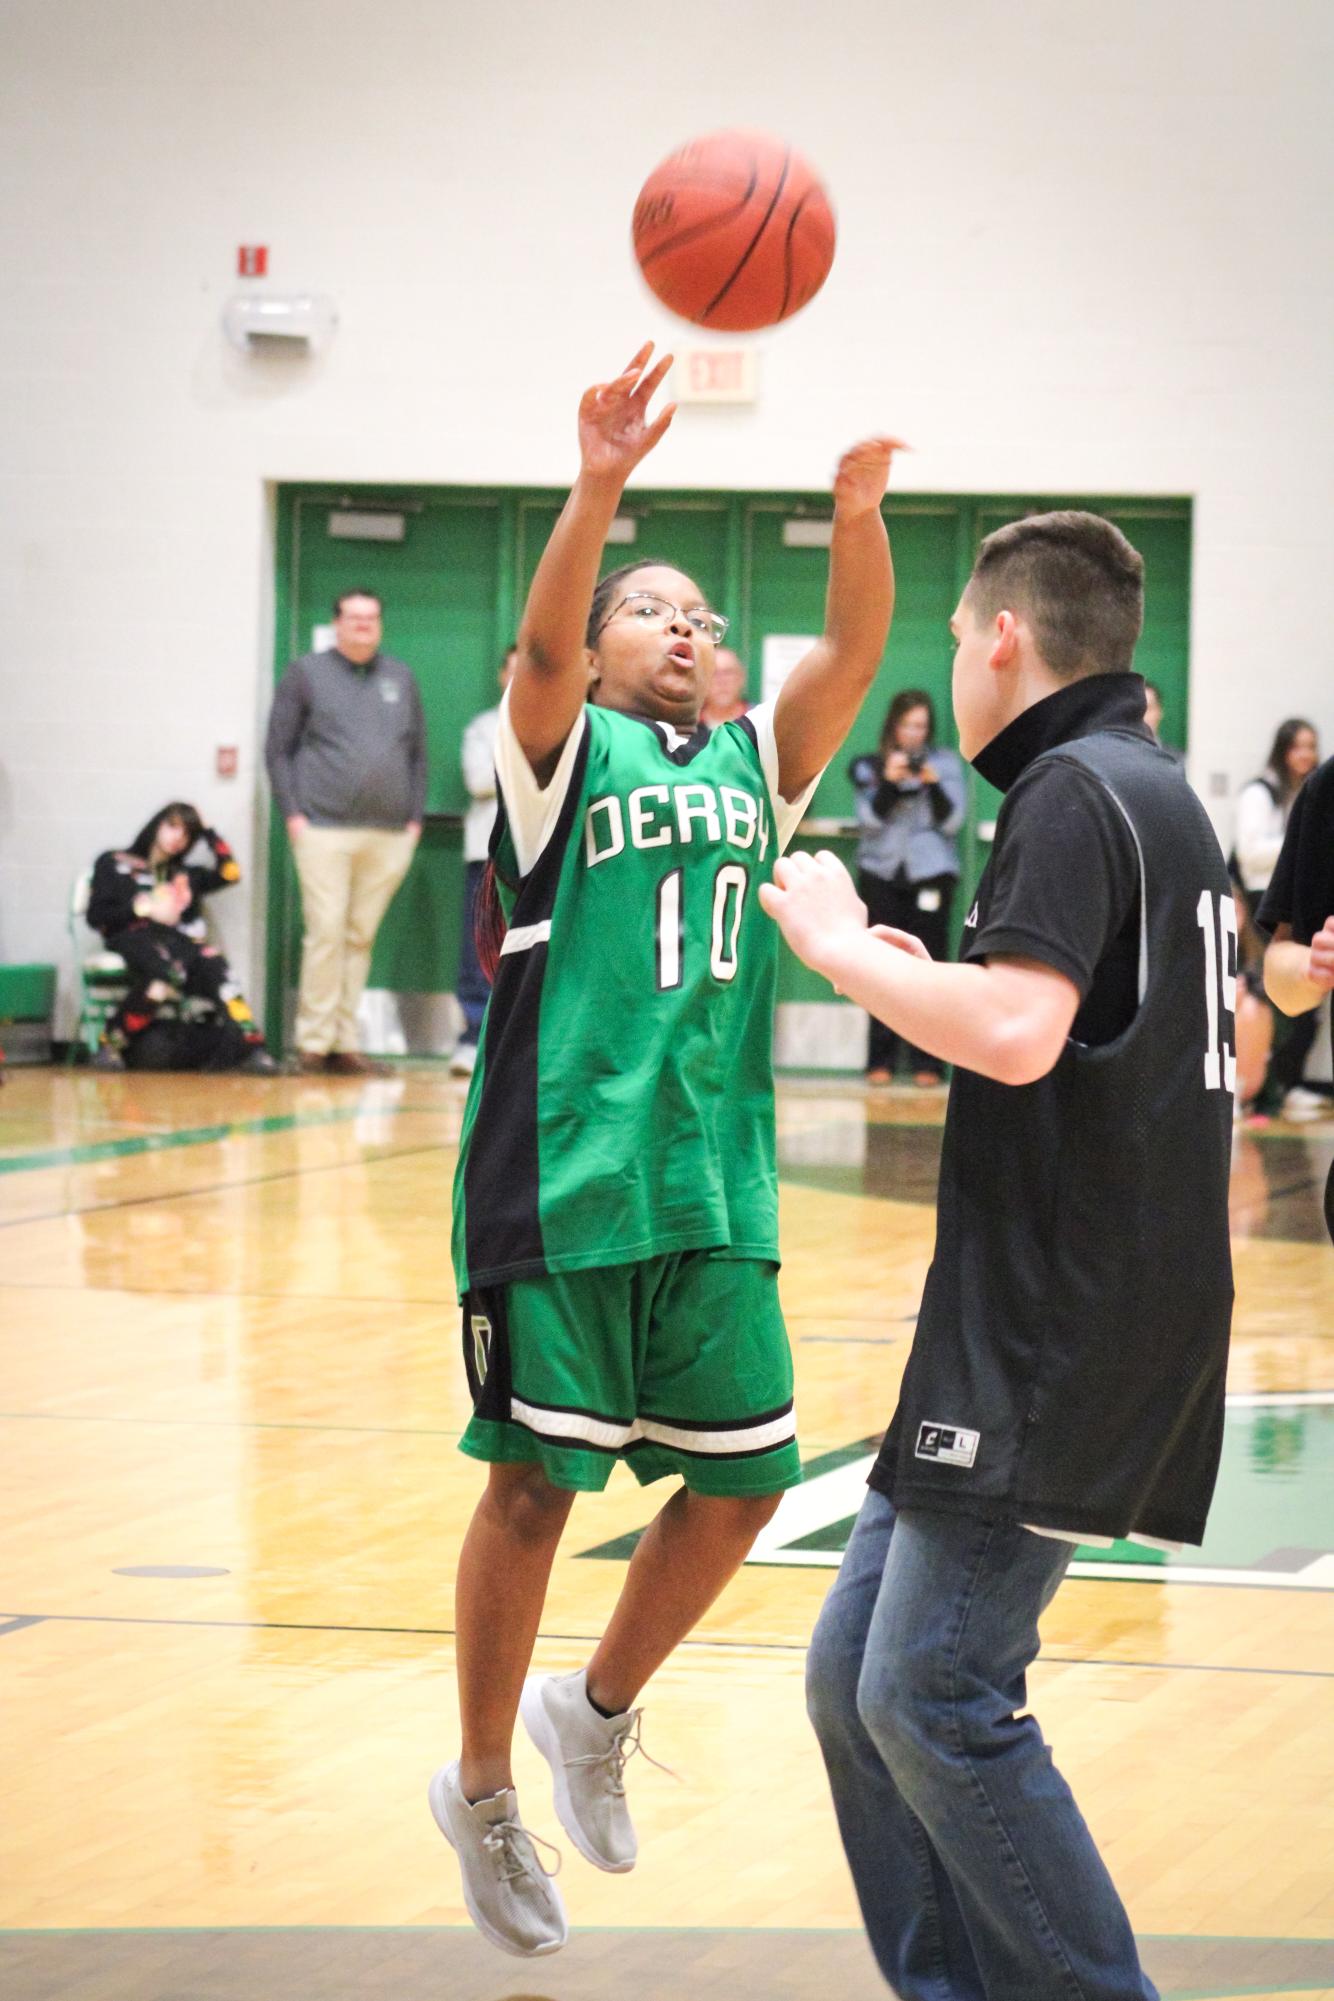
(615, 1217)
(1066, 1378)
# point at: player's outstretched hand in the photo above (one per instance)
(816, 905)
(614, 428)
(902, 941)
(1322, 957)
(863, 475)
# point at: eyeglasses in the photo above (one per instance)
(644, 606)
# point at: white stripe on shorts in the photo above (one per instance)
(579, 1428)
(572, 1424)
(746, 1438)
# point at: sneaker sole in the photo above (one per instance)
(435, 1794)
(539, 1727)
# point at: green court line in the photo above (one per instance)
(162, 1142)
(164, 1195)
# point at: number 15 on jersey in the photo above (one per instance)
(1220, 985)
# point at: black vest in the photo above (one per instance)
(1069, 1364)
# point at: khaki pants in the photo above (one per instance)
(348, 877)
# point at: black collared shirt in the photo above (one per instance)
(1069, 1362)
(1059, 826)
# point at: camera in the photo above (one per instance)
(916, 759)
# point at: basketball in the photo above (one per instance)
(734, 231)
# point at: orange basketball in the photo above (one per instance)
(734, 231)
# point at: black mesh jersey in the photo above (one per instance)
(1069, 1362)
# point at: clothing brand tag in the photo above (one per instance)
(481, 1345)
(970, 921)
(947, 1444)
(389, 691)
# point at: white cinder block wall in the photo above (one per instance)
(1083, 248)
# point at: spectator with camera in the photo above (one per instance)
(910, 806)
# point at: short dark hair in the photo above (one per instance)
(903, 703)
(1077, 581)
(357, 591)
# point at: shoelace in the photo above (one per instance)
(623, 1747)
(505, 1840)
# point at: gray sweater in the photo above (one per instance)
(909, 827)
(346, 745)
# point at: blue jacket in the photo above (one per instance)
(909, 826)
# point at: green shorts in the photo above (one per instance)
(677, 1364)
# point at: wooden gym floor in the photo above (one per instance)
(231, 1508)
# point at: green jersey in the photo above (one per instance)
(622, 1104)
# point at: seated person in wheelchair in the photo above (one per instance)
(183, 1010)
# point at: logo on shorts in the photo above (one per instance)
(947, 1444)
(970, 921)
(481, 1344)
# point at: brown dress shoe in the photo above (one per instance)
(351, 1063)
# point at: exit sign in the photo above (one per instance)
(715, 375)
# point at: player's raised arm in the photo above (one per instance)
(822, 695)
(551, 681)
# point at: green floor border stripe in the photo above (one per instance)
(163, 1142)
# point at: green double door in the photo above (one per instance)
(453, 584)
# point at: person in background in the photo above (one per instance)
(1262, 818)
(147, 901)
(910, 806)
(478, 757)
(726, 700)
(1153, 716)
(1297, 911)
(1264, 805)
(346, 755)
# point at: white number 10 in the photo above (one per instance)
(1220, 970)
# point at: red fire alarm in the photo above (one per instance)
(227, 760)
(252, 260)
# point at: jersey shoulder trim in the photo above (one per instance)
(533, 811)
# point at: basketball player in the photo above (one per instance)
(615, 1235)
(1066, 1378)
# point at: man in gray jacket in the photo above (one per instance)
(346, 753)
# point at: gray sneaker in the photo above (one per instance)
(586, 1752)
(510, 1896)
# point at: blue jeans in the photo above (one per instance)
(977, 1878)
